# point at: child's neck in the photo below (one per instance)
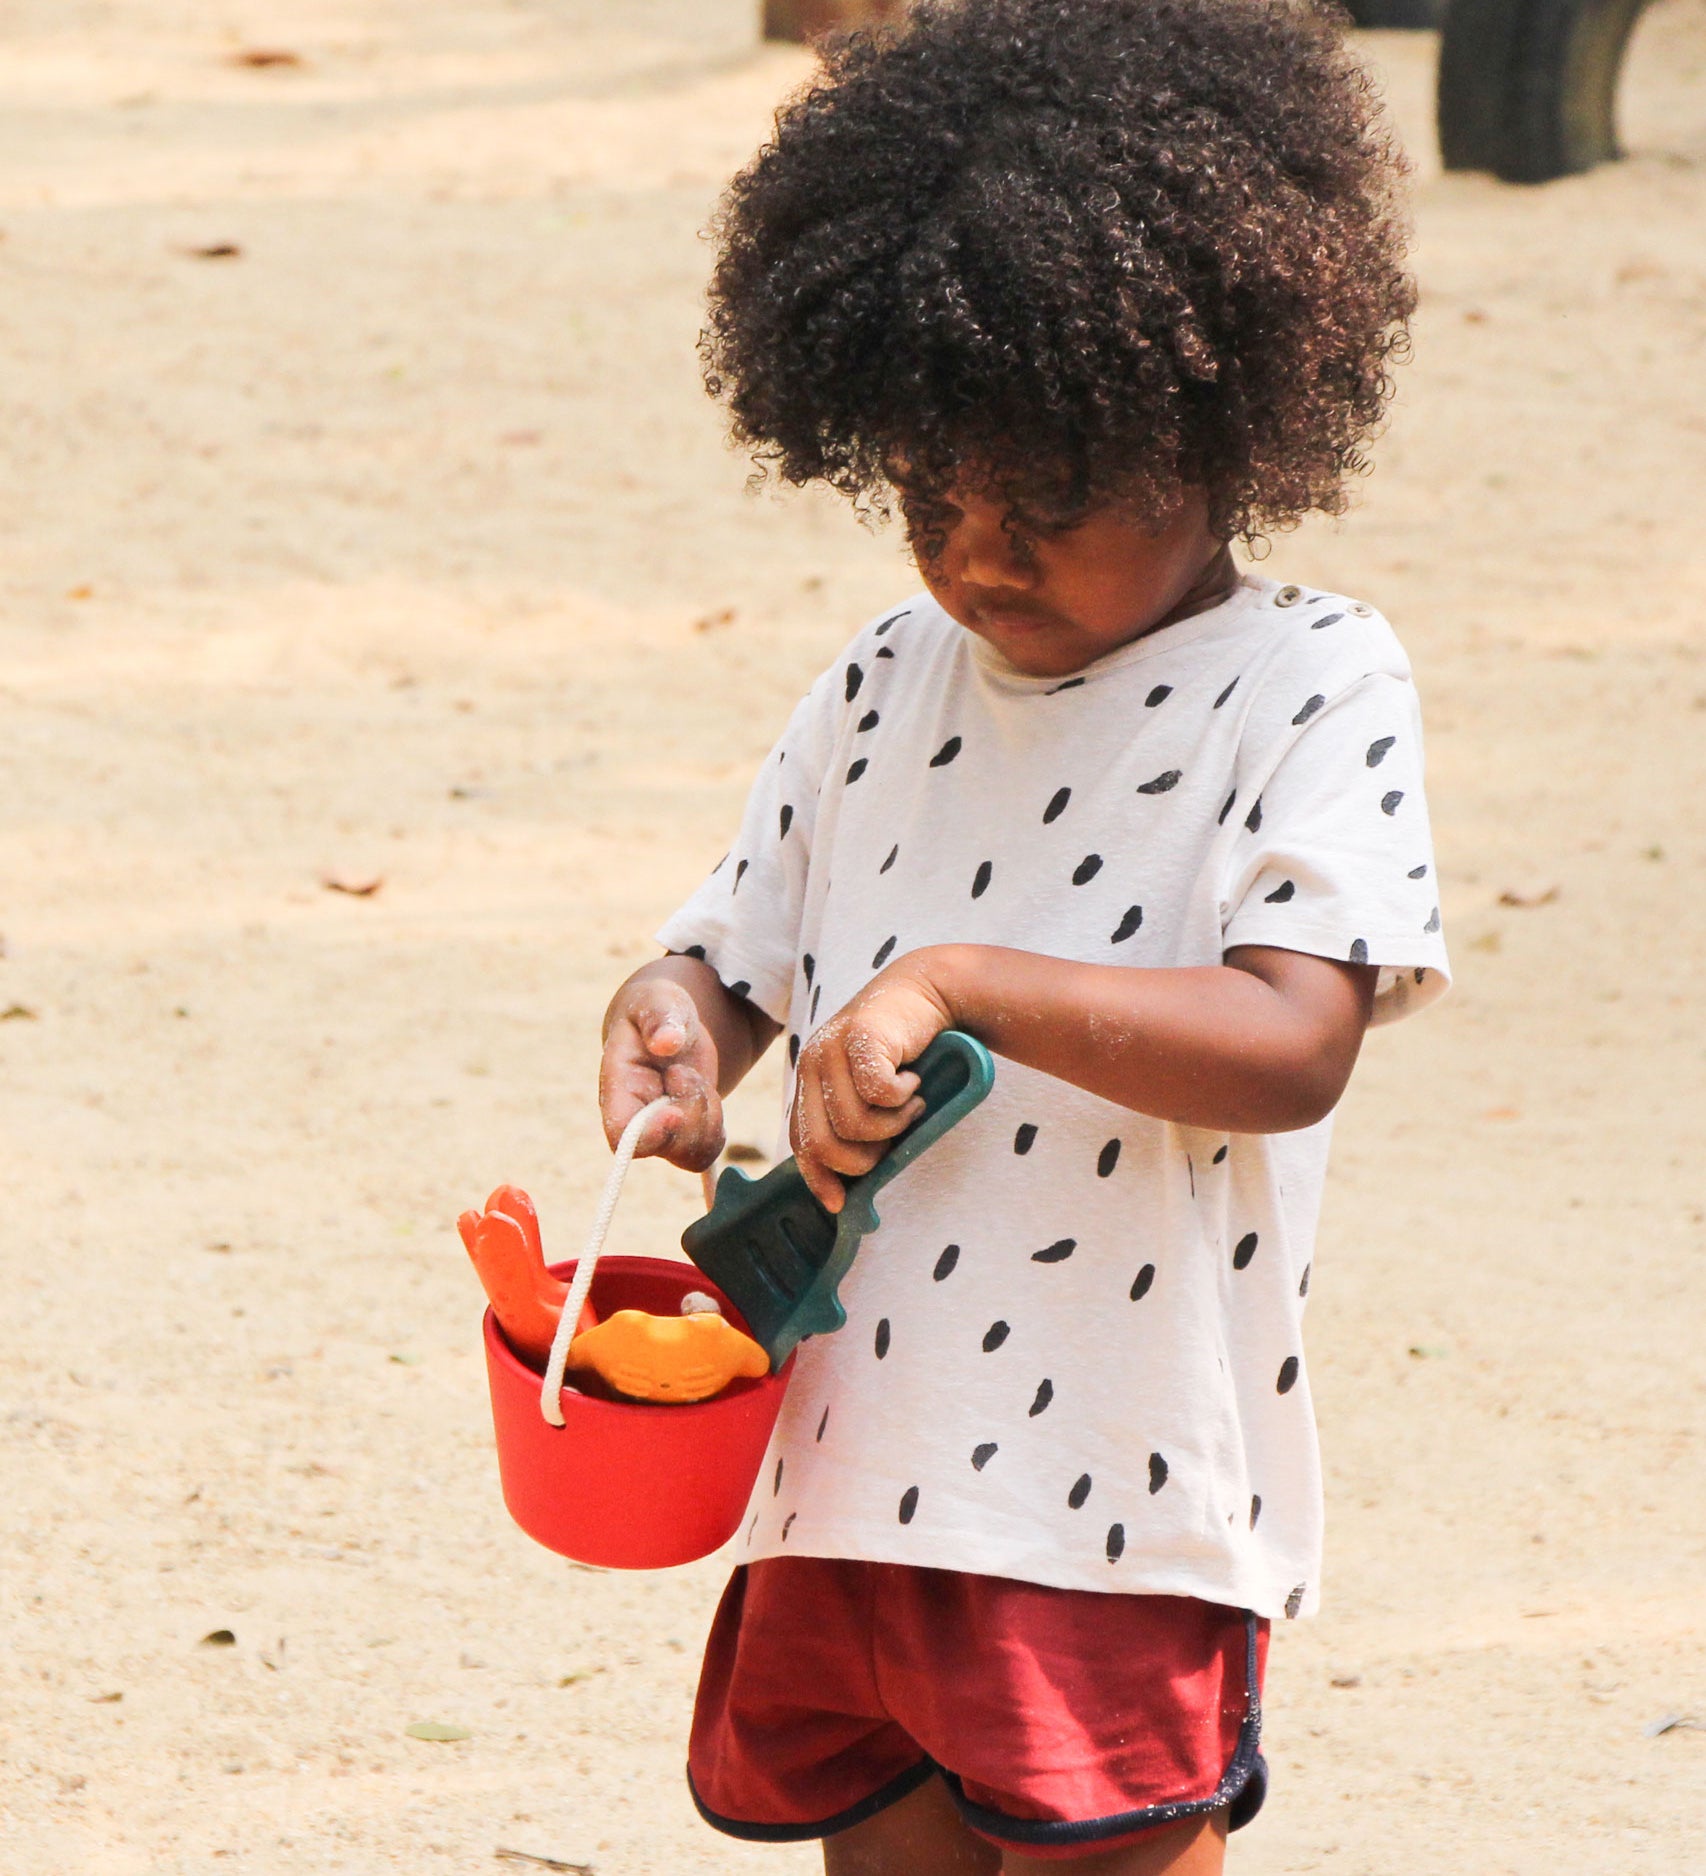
(1215, 584)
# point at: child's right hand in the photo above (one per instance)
(656, 1044)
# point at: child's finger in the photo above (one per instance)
(665, 1020)
(825, 1187)
(826, 1142)
(688, 1133)
(851, 1117)
(808, 1124)
(874, 1066)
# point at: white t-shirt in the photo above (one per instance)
(1073, 1352)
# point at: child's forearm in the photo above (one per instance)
(1261, 1044)
(739, 1031)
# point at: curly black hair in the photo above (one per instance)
(1079, 251)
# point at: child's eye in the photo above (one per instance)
(1044, 527)
(917, 513)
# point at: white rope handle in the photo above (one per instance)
(550, 1401)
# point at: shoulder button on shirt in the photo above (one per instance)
(1361, 611)
(1288, 595)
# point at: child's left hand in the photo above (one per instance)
(852, 1094)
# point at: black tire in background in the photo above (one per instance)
(1528, 88)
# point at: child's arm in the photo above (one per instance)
(673, 1029)
(1263, 1043)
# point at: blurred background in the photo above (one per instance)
(389, 638)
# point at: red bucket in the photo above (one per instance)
(629, 1485)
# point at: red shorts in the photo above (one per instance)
(1063, 1721)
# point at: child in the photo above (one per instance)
(1092, 288)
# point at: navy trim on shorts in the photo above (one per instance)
(1243, 1786)
(897, 1788)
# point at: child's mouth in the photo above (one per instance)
(1003, 622)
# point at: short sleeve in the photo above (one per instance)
(1335, 856)
(745, 920)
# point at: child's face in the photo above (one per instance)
(1052, 601)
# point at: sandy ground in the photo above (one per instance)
(400, 547)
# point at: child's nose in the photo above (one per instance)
(986, 550)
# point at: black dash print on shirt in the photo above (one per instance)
(808, 964)
(985, 873)
(1141, 1283)
(695, 951)
(881, 1343)
(908, 1504)
(1157, 1473)
(1332, 618)
(788, 1524)
(786, 817)
(1080, 1491)
(1417, 872)
(822, 1424)
(1303, 1284)
(1116, 1542)
(1056, 1253)
(1225, 809)
(1087, 869)
(1191, 1172)
(1315, 703)
(1389, 801)
(946, 753)
(855, 677)
(1128, 924)
(793, 1051)
(1045, 1393)
(893, 852)
(1159, 695)
(811, 1014)
(1227, 692)
(1168, 778)
(1221, 1152)
(1107, 1159)
(740, 988)
(1377, 751)
(885, 651)
(1071, 683)
(740, 874)
(1286, 889)
(882, 954)
(1025, 1138)
(868, 721)
(995, 1335)
(1253, 820)
(1433, 921)
(856, 769)
(894, 618)
(1056, 805)
(981, 1455)
(1255, 1508)
(946, 1262)
(1358, 953)
(1294, 1602)
(1287, 1375)
(1243, 1251)
(776, 1484)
